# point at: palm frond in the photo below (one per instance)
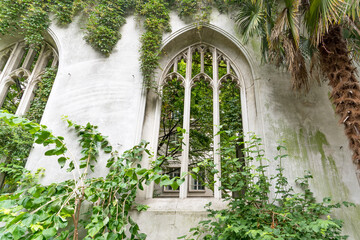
(321, 14)
(251, 19)
(353, 41)
(293, 15)
(353, 10)
(287, 22)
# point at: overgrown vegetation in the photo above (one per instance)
(41, 95)
(252, 214)
(104, 19)
(15, 142)
(36, 211)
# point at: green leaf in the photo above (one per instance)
(180, 181)
(94, 229)
(108, 149)
(49, 232)
(18, 231)
(62, 161)
(142, 207)
(165, 181)
(196, 169)
(174, 185)
(141, 171)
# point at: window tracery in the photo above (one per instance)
(21, 68)
(197, 86)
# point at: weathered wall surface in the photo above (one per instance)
(108, 92)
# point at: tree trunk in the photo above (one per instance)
(337, 65)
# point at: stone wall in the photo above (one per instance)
(107, 91)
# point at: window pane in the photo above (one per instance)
(201, 130)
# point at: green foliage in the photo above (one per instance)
(41, 95)
(35, 211)
(105, 20)
(156, 22)
(15, 145)
(187, 7)
(252, 214)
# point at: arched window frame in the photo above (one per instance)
(12, 70)
(188, 83)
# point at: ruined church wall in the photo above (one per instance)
(107, 91)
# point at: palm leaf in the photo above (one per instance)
(251, 19)
(353, 10)
(321, 14)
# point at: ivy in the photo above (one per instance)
(102, 29)
(156, 22)
(104, 20)
(35, 211)
(41, 95)
(63, 10)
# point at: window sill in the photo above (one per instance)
(184, 205)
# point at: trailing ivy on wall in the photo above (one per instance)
(104, 19)
(156, 23)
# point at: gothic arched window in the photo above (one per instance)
(199, 95)
(21, 68)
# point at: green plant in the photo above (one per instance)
(41, 95)
(103, 21)
(156, 22)
(252, 214)
(36, 211)
(15, 145)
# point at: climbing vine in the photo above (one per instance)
(156, 23)
(104, 19)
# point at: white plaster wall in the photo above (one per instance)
(89, 87)
(107, 92)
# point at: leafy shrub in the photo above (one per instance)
(252, 214)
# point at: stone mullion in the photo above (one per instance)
(176, 65)
(9, 67)
(216, 123)
(202, 62)
(30, 86)
(186, 125)
(227, 67)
